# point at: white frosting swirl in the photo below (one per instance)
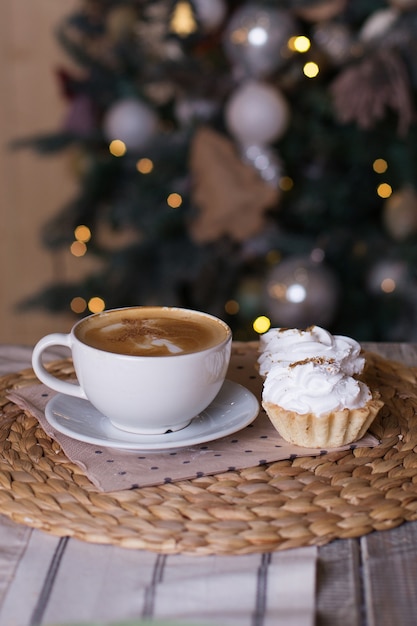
(288, 345)
(315, 385)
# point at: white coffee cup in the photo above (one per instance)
(148, 369)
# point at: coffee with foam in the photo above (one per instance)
(149, 370)
(152, 331)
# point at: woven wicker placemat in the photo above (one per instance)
(292, 503)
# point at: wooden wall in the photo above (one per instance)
(32, 187)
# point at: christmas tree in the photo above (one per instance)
(256, 160)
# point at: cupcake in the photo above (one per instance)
(314, 403)
(288, 345)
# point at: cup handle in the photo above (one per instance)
(55, 339)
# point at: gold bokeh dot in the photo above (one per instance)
(380, 166)
(299, 43)
(311, 69)
(96, 304)
(82, 233)
(117, 148)
(261, 324)
(384, 190)
(78, 248)
(174, 200)
(144, 166)
(78, 305)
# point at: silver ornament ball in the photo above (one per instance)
(256, 38)
(299, 292)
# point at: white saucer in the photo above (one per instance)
(233, 408)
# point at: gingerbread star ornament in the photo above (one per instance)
(230, 196)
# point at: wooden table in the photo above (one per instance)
(370, 581)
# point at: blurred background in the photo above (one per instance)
(256, 160)
(31, 188)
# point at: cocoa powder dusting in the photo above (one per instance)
(134, 328)
(318, 360)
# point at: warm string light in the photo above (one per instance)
(384, 190)
(311, 69)
(299, 43)
(380, 166)
(78, 305)
(117, 148)
(302, 44)
(144, 166)
(174, 200)
(94, 305)
(261, 324)
(82, 235)
(78, 248)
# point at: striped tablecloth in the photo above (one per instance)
(50, 580)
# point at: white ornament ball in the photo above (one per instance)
(132, 121)
(210, 13)
(257, 113)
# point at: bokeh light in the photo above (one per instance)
(117, 148)
(311, 69)
(78, 305)
(78, 248)
(299, 43)
(96, 304)
(384, 190)
(174, 200)
(82, 233)
(388, 285)
(261, 324)
(380, 166)
(144, 166)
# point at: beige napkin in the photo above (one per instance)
(112, 469)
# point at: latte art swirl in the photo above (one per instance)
(151, 331)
